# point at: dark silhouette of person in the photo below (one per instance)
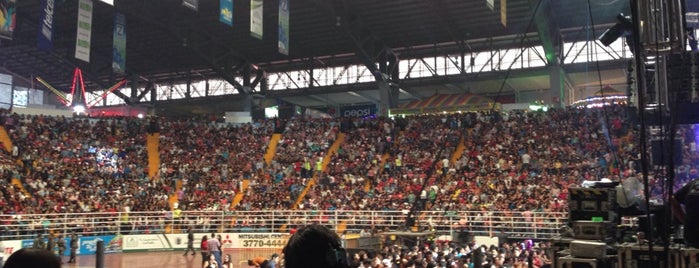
(315, 246)
(33, 257)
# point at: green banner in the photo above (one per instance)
(84, 35)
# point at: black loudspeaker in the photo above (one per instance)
(660, 152)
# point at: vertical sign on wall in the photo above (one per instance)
(283, 43)
(45, 39)
(84, 36)
(490, 4)
(119, 44)
(226, 12)
(8, 21)
(256, 18)
(503, 12)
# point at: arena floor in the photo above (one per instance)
(157, 260)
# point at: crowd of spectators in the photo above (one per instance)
(515, 255)
(211, 159)
(514, 162)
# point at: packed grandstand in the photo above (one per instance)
(468, 170)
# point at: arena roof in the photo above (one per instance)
(166, 41)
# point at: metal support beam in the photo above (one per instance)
(150, 86)
(153, 96)
(328, 101)
(246, 75)
(368, 47)
(552, 42)
(259, 76)
(134, 88)
(549, 33)
(188, 92)
(222, 66)
(559, 85)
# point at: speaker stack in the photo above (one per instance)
(593, 216)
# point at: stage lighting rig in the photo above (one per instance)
(623, 27)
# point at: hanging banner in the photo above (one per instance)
(84, 36)
(119, 44)
(503, 12)
(226, 12)
(192, 4)
(283, 43)
(45, 39)
(256, 18)
(7, 18)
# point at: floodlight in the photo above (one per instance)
(79, 109)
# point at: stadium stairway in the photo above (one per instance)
(342, 227)
(236, 200)
(367, 183)
(5, 139)
(458, 152)
(17, 182)
(326, 160)
(272, 147)
(240, 194)
(153, 147)
(173, 196)
(7, 145)
(440, 177)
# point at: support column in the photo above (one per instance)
(207, 88)
(134, 86)
(246, 78)
(559, 86)
(188, 93)
(246, 103)
(133, 96)
(384, 99)
(154, 95)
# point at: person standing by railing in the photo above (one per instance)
(51, 243)
(61, 246)
(190, 241)
(73, 247)
(39, 242)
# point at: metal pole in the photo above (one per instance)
(640, 73)
(99, 259)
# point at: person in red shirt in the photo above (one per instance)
(204, 247)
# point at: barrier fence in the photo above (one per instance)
(536, 225)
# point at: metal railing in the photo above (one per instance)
(514, 224)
